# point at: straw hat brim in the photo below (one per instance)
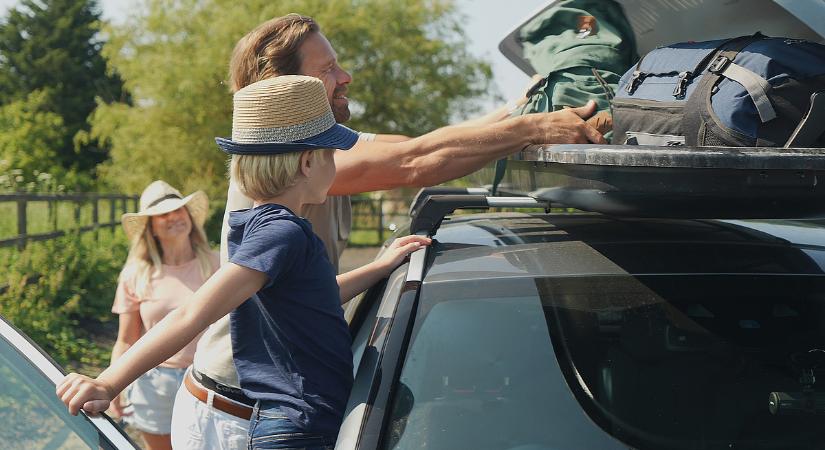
(338, 137)
(197, 203)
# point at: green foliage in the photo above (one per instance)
(52, 48)
(412, 73)
(29, 140)
(71, 296)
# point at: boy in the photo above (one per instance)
(290, 341)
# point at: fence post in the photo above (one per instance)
(21, 223)
(112, 225)
(95, 217)
(77, 205)
(53, 213)
(380, 220)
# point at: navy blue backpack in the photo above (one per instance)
(746, 91)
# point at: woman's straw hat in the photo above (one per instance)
(160, 198)
(284, 114)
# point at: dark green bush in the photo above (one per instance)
(60, 293)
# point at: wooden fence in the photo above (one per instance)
(377, 215)
(116, 205)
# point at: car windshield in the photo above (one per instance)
(683, 361)
(31, 415)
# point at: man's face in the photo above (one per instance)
(319, 60)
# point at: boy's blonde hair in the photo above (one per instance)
(262, 177)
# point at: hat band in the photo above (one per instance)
(165, 197)
(290, 133)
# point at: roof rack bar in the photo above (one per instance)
(427, 216)
(444, 190)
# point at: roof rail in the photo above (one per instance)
(428, 214)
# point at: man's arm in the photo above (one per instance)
(452, 152)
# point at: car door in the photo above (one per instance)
(31, 415)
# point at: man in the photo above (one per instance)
(210, 411)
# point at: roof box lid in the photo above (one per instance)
(659, 22)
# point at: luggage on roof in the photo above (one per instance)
(751, 91)
(737, 174)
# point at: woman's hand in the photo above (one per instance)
(81, 392)
(399, 249)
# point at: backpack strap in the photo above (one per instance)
(696, 106)
(756, 86)
(812, 126)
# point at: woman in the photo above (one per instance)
(169, 259)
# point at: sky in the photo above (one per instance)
(487, 22)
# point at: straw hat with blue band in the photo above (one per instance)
(290, 113)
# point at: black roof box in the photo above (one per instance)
(679, 182)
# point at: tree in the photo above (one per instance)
(411, 72)
(28, 141)
(52, 47)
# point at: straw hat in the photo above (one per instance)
(284, 114)
(160, 198)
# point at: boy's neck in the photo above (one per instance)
(291, 199)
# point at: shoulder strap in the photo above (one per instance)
(700, 99)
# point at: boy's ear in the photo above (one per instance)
(305, 162)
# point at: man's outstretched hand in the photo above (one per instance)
(568, 126)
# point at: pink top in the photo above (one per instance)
(172, 288)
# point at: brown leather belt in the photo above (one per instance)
(218, 401)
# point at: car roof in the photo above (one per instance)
(508, 245)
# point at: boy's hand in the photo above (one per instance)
(81, 392)
(400, 248)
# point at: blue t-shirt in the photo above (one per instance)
(290, 342)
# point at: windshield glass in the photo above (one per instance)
(682, 362)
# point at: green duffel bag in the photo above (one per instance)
(581, 47)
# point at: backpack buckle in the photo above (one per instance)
(681, 84)
(719, 64)
(635, 80)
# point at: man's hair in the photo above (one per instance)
(270, 50)
(261, 177)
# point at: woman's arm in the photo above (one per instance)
(128, 332)
(359, 280)
(221, 293)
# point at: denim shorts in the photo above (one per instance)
(270, 428)
(152, 396)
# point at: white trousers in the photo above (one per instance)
(198, 426)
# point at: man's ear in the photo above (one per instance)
(305, 163)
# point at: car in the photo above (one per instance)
(681, 305)
(32, 416)
(535, 330)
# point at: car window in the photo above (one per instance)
(31, 415)
(688, 361)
